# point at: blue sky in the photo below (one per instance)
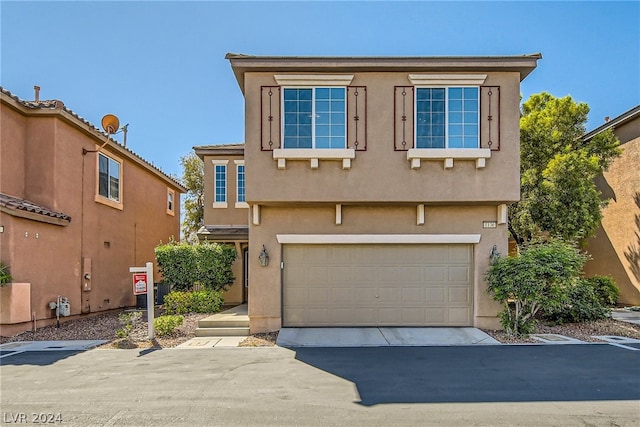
(160, 67)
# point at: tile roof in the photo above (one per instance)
(15, 203)
(55, 104)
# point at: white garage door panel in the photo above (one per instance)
(377, 285)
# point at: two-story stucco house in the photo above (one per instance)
(377, 186)
(76, 211)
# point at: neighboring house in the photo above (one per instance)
(75, 213)
(226, 212)
(616, 246)
(378, 186)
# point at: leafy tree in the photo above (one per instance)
(539, 278)
(193, 180)
(558, 167)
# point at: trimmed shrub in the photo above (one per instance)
(177, 302)
(177, 264)
(214, 265)
(207, 264)
(166, 325)
(205, 301)
(605, 288)
(583, 305)
(538, 279)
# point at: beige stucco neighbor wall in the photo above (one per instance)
(616, 247)
(265, 290)
(41, 160)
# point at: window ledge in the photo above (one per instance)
(109, 202)
(219, 205)
(314, 155)
(239, 205)
(415, 155)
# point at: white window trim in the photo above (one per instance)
(348, 239)
(446, 115)
(220, 205)
(171, 211)
(241, 205)
(117, 204)
(313, 79)
(415, 155)
(447, 79)
(314, 155)
(313, 122)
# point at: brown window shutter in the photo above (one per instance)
(490, 117)
(270, 117)
(403, 118)
(357, 117)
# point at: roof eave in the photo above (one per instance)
(523, 64)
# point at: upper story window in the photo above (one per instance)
(314, 117)
(109, 178)
(220, 183)
(447, 117)
(170, 201)
(241, 197)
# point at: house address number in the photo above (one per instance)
(489, 224)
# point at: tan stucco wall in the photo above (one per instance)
(616, 247)
(363, 183)
(229, 215)
(41, 160)
(265, 289)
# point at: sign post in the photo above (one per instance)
(143, 283)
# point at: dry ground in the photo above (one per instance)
(104, 327)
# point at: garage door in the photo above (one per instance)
(377, 285)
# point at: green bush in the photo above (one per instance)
(177, 302)
(205, 301)
(5, 277)
(214, 265)
(606, 289)
(537, 279)
(208, 264)
(177, 264)
(584, 304)
(166, 325)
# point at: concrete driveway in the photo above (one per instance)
(381, 337)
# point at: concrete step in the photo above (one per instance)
(223, 323)
(222, 332)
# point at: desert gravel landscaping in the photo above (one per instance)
(104, 327)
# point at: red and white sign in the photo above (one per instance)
(139, 283)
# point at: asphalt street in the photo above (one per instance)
(528, 385)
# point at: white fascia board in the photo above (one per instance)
(447, 79)
(313, 79)
(347, 239)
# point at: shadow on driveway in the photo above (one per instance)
(509, 373)
(39, 358)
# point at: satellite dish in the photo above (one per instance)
(110, 123)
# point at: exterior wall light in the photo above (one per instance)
(493, 257)
(263, 258)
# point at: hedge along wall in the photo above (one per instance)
(208, 264)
